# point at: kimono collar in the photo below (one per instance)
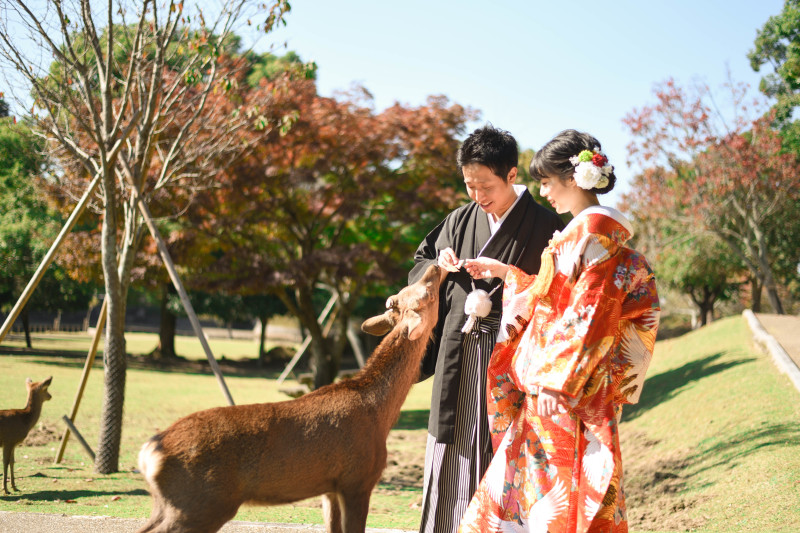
(600, 220)
(494, 226)
(605, 222)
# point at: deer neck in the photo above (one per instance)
(391, 371)
(33, 409)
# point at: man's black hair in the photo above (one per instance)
(491, 147)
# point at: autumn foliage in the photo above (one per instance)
(338, 199)
(726, 177)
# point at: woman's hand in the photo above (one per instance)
(485, 267)
(448, 260)
(550, 403)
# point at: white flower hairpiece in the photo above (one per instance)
(591, 169)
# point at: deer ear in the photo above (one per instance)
(28, 381)
(377, 325)
(47, 382)
(413, 320)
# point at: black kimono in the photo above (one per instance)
(519, 241)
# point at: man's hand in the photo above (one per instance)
(550, 403)
(448, 260)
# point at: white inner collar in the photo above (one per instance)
(494, 226)
(602, 210)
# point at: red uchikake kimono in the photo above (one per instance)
(591, 338)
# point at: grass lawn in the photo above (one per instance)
(154, 399)
(713, 446)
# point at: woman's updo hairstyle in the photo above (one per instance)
(552, 160)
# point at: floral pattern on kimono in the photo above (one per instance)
(591, 338)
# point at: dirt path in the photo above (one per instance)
(53, 523)
(786, 330)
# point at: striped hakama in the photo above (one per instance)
(453, 470)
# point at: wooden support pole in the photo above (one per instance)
(307, 341)
(87, 367)
(78, 436)
(176, 280)
(48, 258)
(355, 344)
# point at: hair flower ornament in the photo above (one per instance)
(591, 169)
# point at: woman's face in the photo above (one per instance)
(563, 195)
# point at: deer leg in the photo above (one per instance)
(7, 451)
(11, 467)
(332, 512)
(157, 517)
(355, 507)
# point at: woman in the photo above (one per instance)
(574, 344)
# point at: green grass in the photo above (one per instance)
(713, 446)
(154, 399)
(717, 415)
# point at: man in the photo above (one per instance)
(502, 222)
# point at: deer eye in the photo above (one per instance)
(390, 304)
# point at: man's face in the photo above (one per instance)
(494, 195)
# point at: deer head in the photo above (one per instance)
(39, 389)
(416, 307)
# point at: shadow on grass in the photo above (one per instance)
(63, 354)
(664, 386)
(416, 419)
(727, 452)
(247, 368)
(51, 495)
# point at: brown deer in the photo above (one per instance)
(330, 442)
(15, 424)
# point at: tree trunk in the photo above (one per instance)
(708, 314)
(115, 365)
(768, 282)
(704, 303)
(26, 326)
(322, 364)
(339, 340)
(765, 266)
(166, 330)
(262, 341)
(755, 288)
(703, 315)
(774, 300)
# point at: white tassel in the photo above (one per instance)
(478, 304)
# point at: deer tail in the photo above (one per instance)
(151, 459)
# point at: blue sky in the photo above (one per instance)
(532, 67)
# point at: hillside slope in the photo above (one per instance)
(714, 444)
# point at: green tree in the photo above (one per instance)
(136, 121)
(263, 307)
(777, 45)
(699, 266)
(268, 67)
(525, 158)
(27, 227)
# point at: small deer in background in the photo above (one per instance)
(15, 424)
(330, 442)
